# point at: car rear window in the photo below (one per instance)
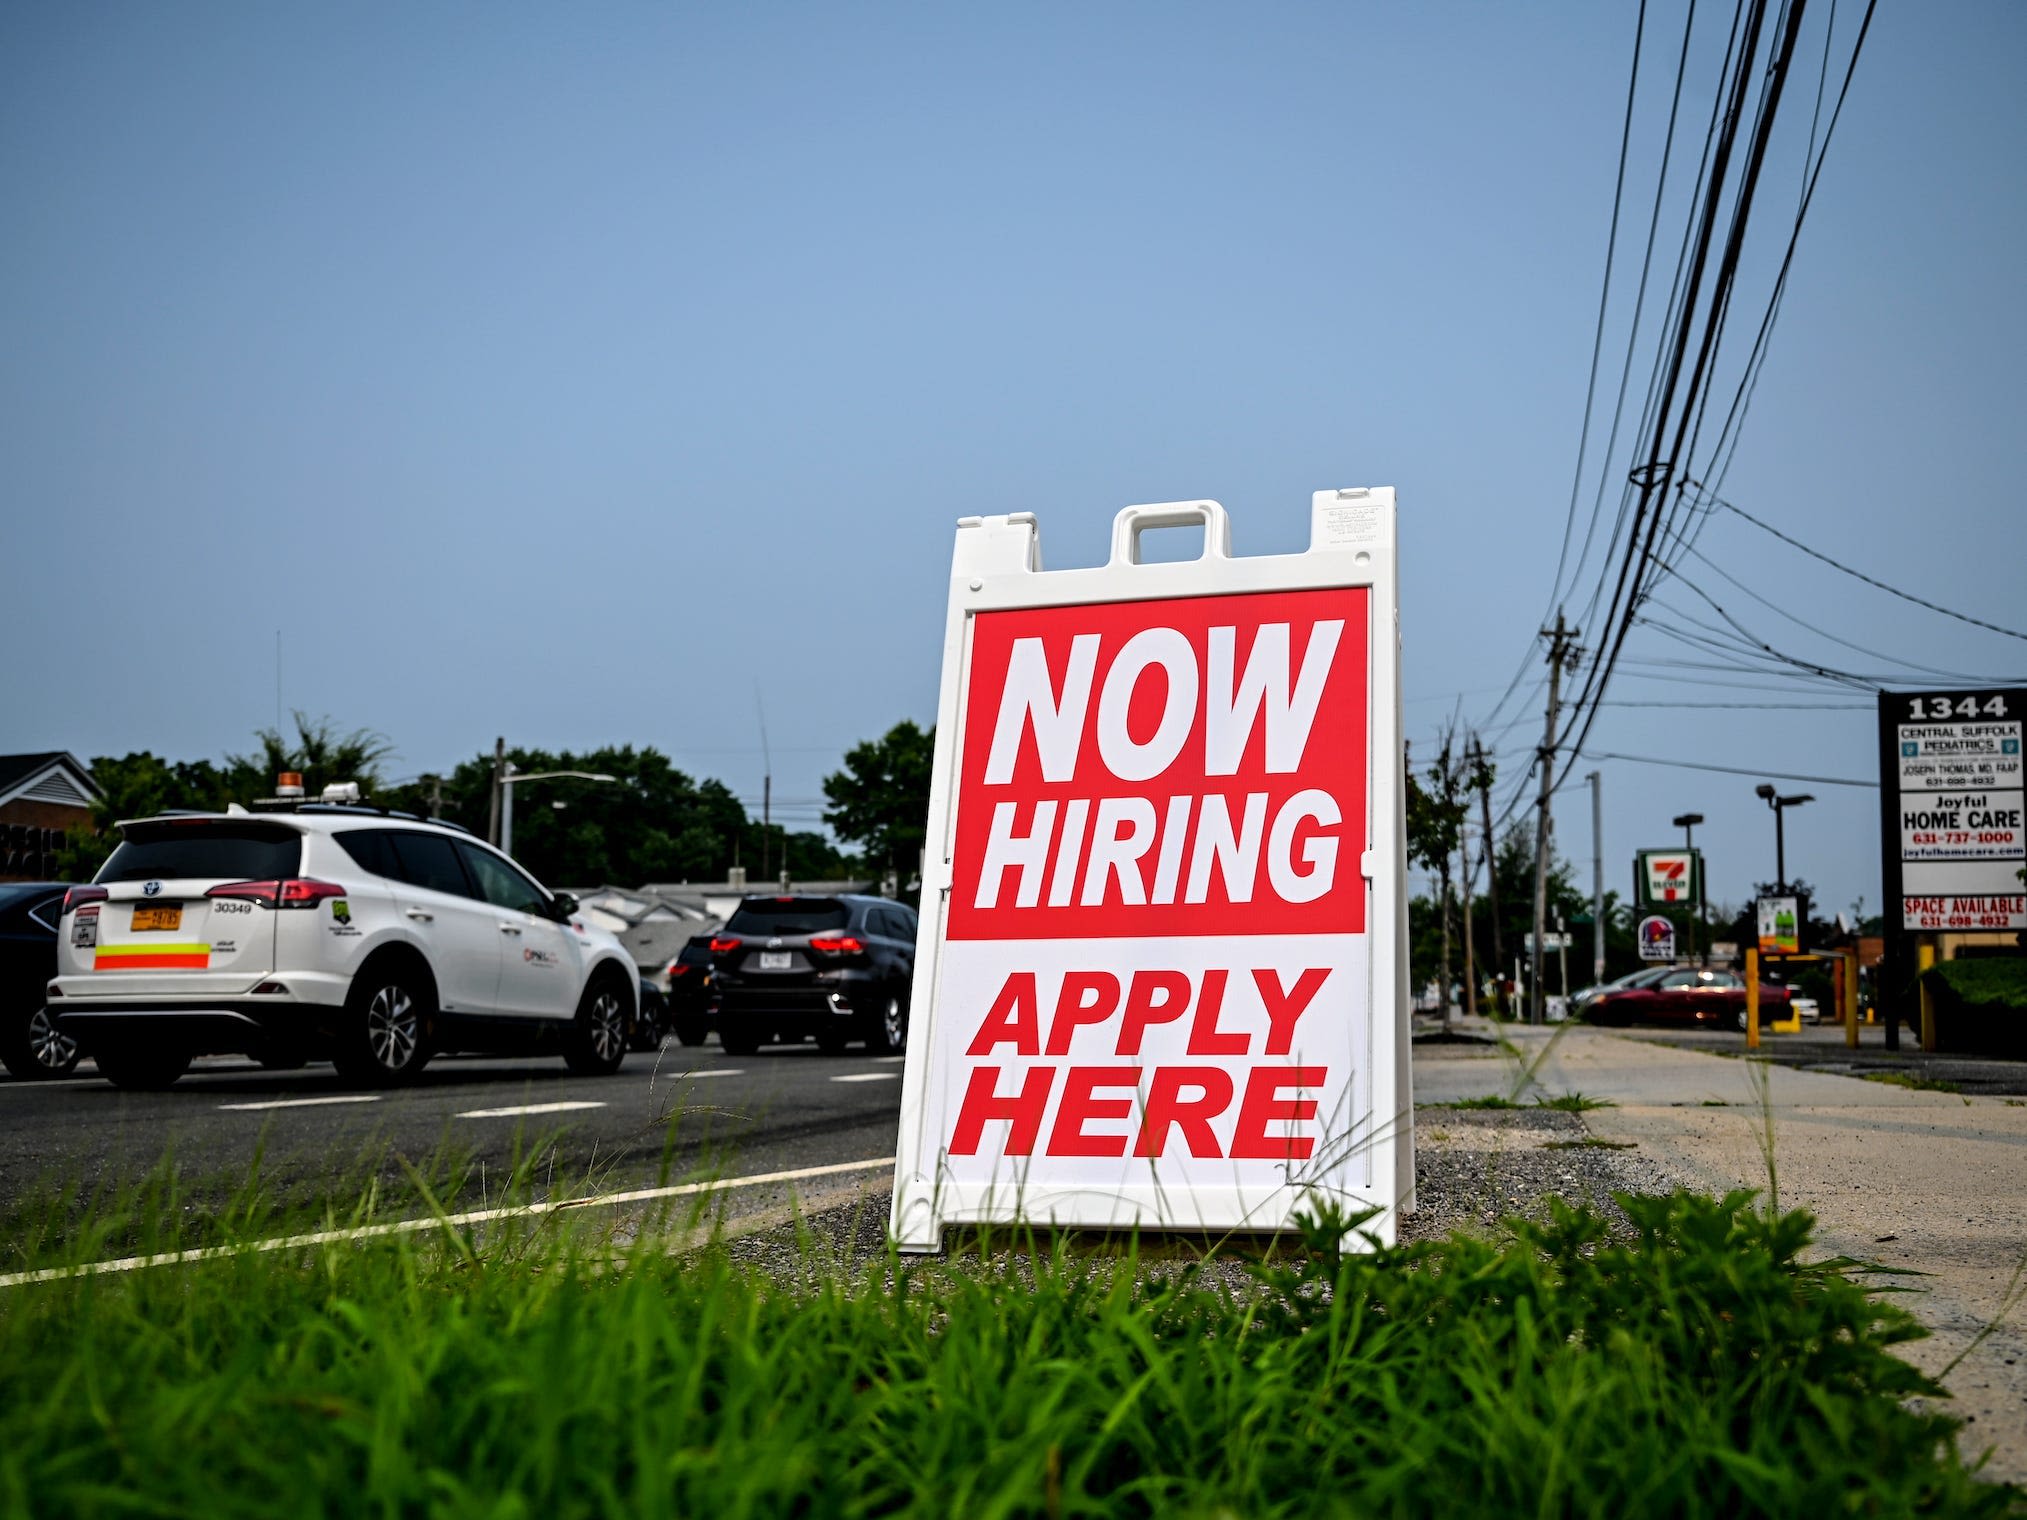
(788, 915)
(204, 851)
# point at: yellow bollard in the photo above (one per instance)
(1924, 958)
(1752, 1000)
(1847, 995)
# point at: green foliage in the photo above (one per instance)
(1692, 1367)
(1574, 1103)
(1997, 984)
(655, 823)
(880, 800)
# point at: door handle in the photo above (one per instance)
(510, 928)
(421, 915)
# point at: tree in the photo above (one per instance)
(319, 755)
(1436, 816)
(880, 800)
(655, 823)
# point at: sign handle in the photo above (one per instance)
(1134, 521)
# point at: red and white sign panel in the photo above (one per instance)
(1151, 995)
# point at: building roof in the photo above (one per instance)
(53, 775)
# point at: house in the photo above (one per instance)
(42, 797)
(651, 929)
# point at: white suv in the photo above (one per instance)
(372, 938)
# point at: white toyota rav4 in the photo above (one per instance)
(371, 938)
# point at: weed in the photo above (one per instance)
(1574, 1103)
(1715, 1103)
(1495, 1101)
(1909, 1079)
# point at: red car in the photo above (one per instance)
(1688, 995)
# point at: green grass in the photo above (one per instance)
(1495, 1101)
(1692, 1366)
(1906, 1079)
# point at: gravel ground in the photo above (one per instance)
(1473, 1167)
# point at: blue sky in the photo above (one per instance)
(579, 373)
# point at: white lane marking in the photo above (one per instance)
(713, 1071)
(300, 1102)
(890, 1060)
(524, 1108)
(868, 1076)
(447, 1222)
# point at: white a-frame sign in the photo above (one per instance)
(1161, 980)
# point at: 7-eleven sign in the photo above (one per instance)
(1661, 877)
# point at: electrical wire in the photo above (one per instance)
(1905, 596)
(1734, 770)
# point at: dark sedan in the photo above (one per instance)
(838, 968)
(1687, 995)
(693, 1000)
(31, 1045)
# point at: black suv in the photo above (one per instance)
(693, 1001)
(838, 968)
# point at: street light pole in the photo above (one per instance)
(1597, 782)
(510, 778)
(1780, 804)
(1687, 822)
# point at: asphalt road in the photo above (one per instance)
(666, 1116)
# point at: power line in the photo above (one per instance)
(1733, 770)
(1604, 300)
(1905, 596)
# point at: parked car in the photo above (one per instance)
(651, 1024)
(1687, 995)
(836, 968)
(321, 930)
(693, 994)
(31, 1046)
(1583, 999)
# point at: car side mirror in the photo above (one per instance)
(563, 905)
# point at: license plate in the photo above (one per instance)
(774, 960)
(149, 916)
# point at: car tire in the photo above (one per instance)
(142, 1070)
(36, 1049)
(690, 1028)
(599, 1035)
(650, 1028)
(386, 1041)
(889, 1034)
(739, 1042)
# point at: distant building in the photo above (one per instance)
(42, 798)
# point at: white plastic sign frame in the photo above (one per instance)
(1162, 974)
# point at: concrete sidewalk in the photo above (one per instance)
(1928, 1181)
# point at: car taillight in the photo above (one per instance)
(76, 897)
(679, 971)
(725, 945)
(837, 944)
(293, 892)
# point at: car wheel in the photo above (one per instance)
(890, 1034)
(387, 1042)
(738, 1042)
(598, 1039)
(142, 1070)
(38, 1049)
(650, 1029)
(691, 1028)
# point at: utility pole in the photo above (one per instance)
(1562, 650)
(499, 774)
(1491, 879)
(1597, 782)
(436, 796)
